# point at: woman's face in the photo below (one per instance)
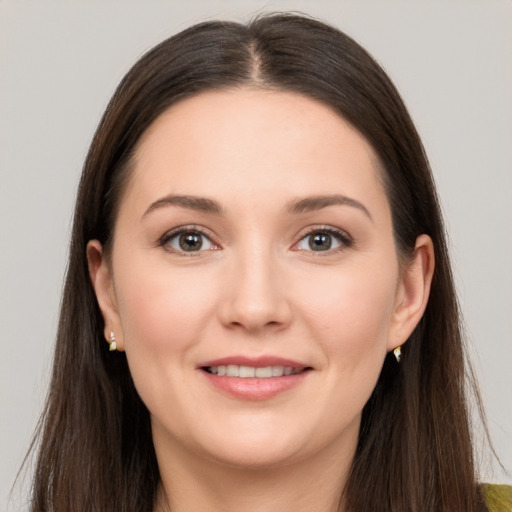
(254, 282)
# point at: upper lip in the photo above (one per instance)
(256, 362)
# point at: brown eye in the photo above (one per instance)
(188, 241)
(323, 240)
(320, 242)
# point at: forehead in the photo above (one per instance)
(249, 142)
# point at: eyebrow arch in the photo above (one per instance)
(206, 205)
(201, 204)
(313, 203)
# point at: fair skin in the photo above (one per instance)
(263, 275)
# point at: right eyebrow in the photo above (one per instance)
(201, 204)
(313, 203)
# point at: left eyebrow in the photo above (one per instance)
(201, 204)
(313, 203)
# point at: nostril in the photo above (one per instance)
(254, 302)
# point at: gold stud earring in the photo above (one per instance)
(112, 345)
(398, 353)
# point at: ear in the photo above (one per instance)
(100, 273)
(412, 292)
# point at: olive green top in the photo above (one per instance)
(498, 497)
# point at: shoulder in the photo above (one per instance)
(498, 497)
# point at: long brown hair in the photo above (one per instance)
(415, 449)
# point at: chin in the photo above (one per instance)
(265, 444)
(255, 457)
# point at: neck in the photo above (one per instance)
(311, 485)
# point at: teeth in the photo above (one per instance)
(264, 373)
(277, 371)
(232, 370)
(246, 372)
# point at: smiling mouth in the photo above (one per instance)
(250, 372)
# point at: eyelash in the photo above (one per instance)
(344, 239)
(174, 233)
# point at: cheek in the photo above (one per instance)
(350, 311)
(163, 316)
(162, 310)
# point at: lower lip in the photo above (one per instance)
(254, 388)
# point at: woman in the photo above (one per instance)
(259, 310)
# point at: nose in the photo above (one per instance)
(255, 296)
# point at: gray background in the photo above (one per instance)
(60, 62)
